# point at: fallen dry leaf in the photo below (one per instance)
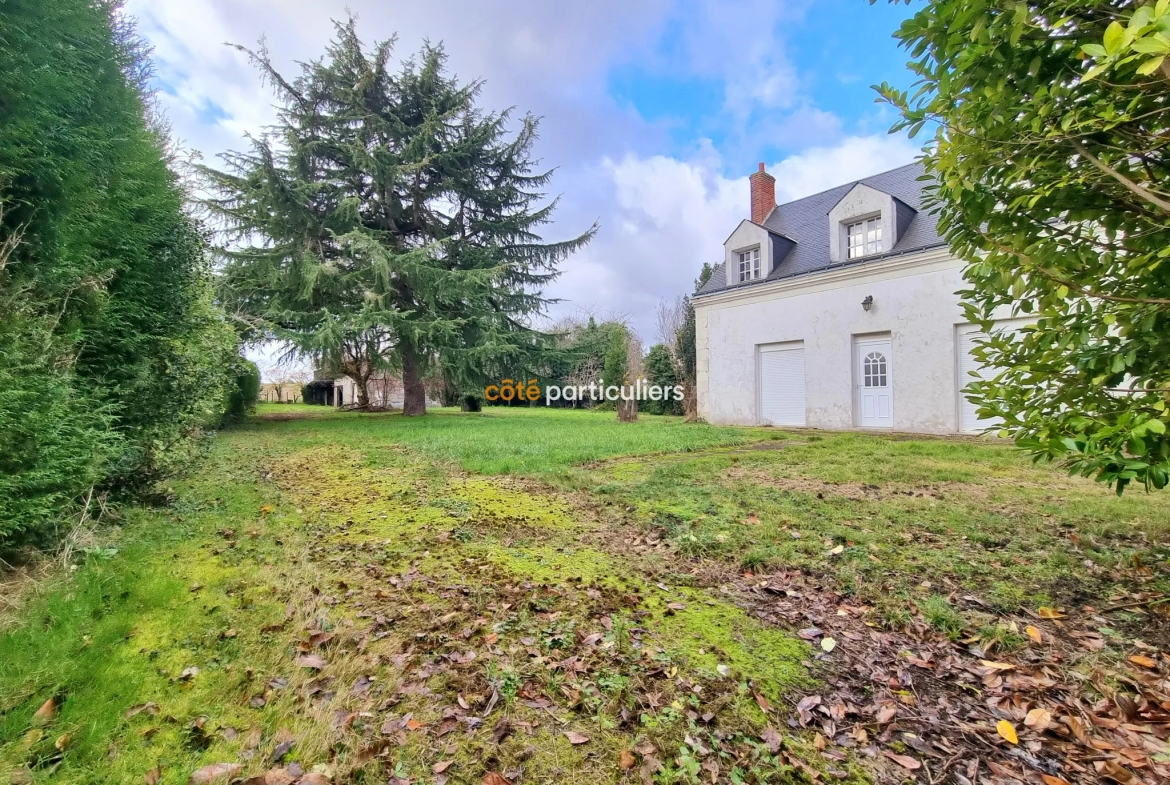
(763, 702)
(281, 751)
(773, 739)
(905, 761)
(441, 766)
(1038, 719)
(493, 778)
(313, 661)
(149, 707)
(46, 712)
(999, 666)
(1034, 633)
(627, 760)
(62, 742)
(277, 776)
(1045, 612)
(576, 738)
(828, 644)
(1007, 731)
(1145, 662)
(1051, 780)
(153, 776)
(214, 772)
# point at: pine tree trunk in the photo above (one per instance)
(362, 383)
(414, 395)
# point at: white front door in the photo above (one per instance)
(875, 383)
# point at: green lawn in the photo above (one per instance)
(478, 586)
(532, 441)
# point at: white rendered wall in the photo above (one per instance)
(914, 301)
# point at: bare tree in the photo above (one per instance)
(671, 317)
(285, 376)
(382, 387)
(672, 323)
(627, 410)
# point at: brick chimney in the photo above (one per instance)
(763, 194)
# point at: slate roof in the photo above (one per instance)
(806, 221)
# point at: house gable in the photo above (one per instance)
(863, 203)
(748, 236)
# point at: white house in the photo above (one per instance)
(837, 311)
(385, 391)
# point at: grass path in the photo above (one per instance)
(549, 596)
(386, 615)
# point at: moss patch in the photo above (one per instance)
(708, 633)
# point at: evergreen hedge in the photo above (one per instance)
(113, 357)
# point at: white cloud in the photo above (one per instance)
(854, 157)
(662, 213)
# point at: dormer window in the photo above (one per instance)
(865, 237)
(749, 265)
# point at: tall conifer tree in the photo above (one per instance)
(387, 223)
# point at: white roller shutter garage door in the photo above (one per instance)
(782, 385)
(969, 421)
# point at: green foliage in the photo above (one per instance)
(245, 391)
(685, 340)
(941, 615)
(686, 344)
(54, 440)
(704, 275)
(1142, 43)
(576, 356)
(398, 221)
(1050, 167)
(616, 367)
(112, 350)
(660, 371)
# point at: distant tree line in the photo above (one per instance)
(113, 357)
(583, 351)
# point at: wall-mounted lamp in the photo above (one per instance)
(867, 302)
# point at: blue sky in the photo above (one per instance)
(836, 50)
(655, 111)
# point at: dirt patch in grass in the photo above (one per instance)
(283, 417)
(854, 491)
(18, 581)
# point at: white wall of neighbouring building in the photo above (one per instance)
(914, 303)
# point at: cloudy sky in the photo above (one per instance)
(654, 111)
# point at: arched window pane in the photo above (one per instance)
(874, 370)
